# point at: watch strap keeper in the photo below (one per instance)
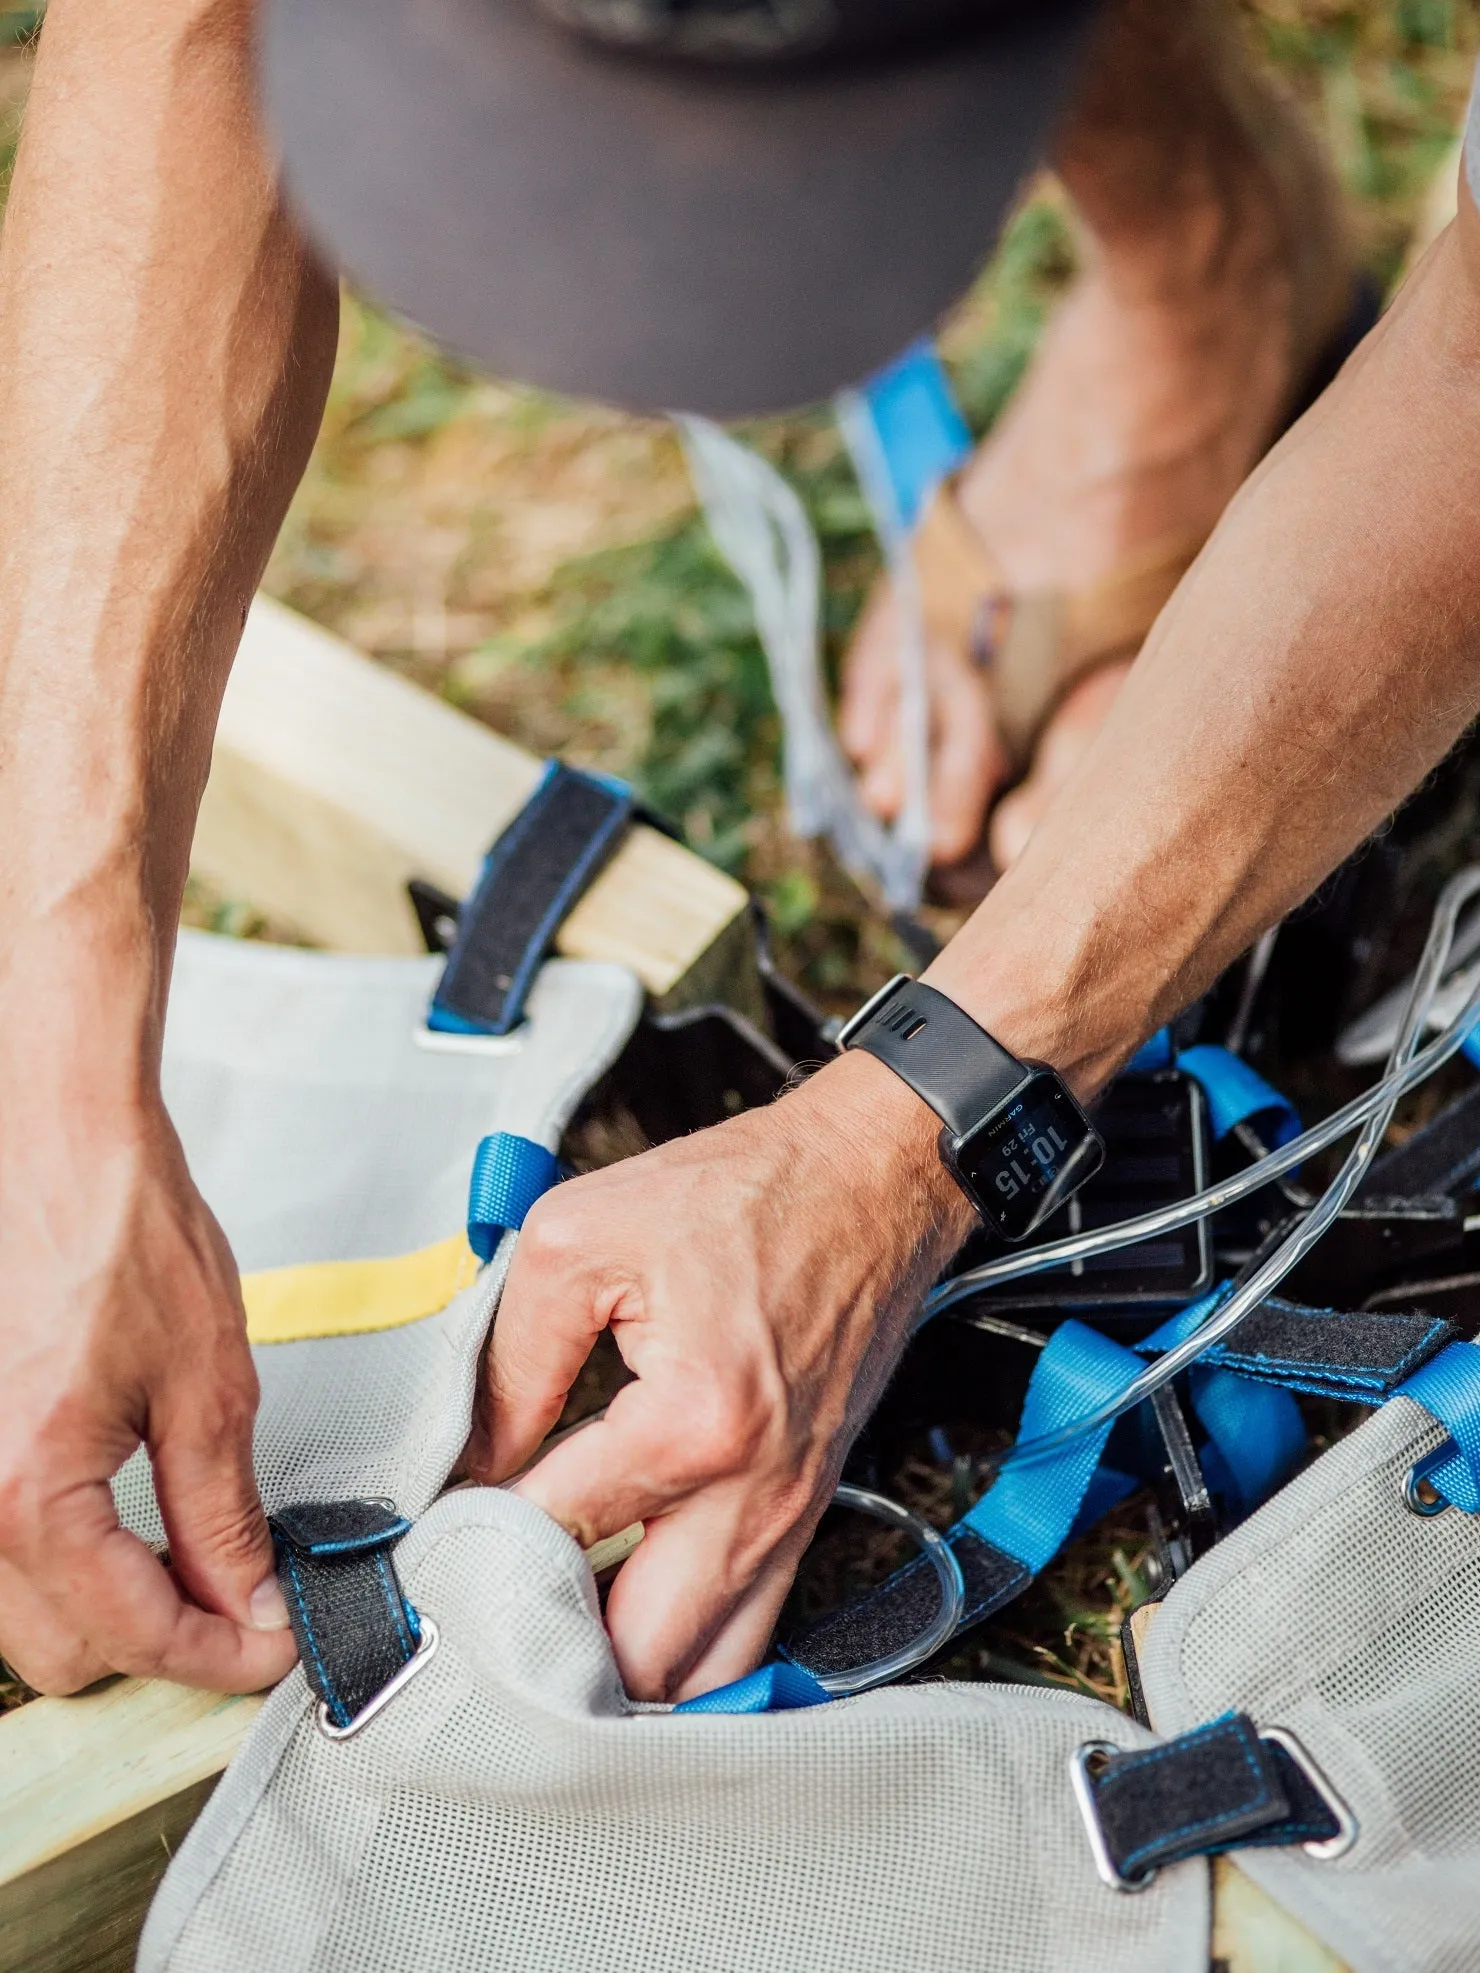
(932, 1044)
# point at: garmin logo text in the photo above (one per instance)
(903, 1021)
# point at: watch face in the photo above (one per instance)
(1025, 1160)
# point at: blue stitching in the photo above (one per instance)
(393, 1602)
(335, 1703)
(357, 1543)
(1128, 1763)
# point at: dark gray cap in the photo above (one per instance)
(726, 206)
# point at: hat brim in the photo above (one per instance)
(654, 235)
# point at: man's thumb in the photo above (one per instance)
(220, 1546)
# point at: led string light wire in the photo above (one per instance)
(1372, 1110)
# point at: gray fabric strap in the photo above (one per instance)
(928, 1041)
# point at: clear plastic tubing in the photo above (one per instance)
(942, 1626)
(1372, 1110)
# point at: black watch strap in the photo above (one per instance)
(928, 1041)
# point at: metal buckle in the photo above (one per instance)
(1327, 1848)
(1081, 1780)
(429, 1640)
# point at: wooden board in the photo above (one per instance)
(333, 781)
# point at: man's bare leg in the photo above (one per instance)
(1215, 270)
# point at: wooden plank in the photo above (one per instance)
(333, 781)
(83, 1911)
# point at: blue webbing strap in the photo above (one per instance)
(921, 431)
(1237, 1094)
(777, 1687)
(1448, 1388)
(1017, 1526)
(509, 1174)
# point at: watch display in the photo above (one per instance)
(1022, 1162)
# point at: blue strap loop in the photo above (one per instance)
(921, 431)
(1030, 1510)
(1235, 1093)
(778, 1687)
(1448, 1388)
(509, 1174)
(1238, 1094)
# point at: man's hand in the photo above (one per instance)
(120, 1322)
(759, 1279)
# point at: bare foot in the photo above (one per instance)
(1164, 376)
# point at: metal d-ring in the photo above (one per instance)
(1082, 1766)
(941, 1628)
(426, 1645)
(1327, 1848)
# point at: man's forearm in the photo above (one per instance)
(165, 345)
(1322, 655)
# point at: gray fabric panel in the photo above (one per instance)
(1336, 1613)
(319, 1129)
(509, 1809)
(315, 1125)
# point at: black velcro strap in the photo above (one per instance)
(531, 880)
(1329, 1353)
(1219, 1787)
(354, 1626)
(885, 1619)
(1444, 1156)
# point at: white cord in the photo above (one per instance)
(1373, 1111)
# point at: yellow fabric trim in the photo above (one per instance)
(352, 1298)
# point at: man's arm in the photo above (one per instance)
(1322, 654)
(166, 342)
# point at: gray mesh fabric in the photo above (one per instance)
(316, 1126)
(1338, 1614)
(318, 1129)
(510, 1809)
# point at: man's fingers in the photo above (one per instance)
(741, 1641)
(614, 1471)
(967, 764)
(686, 1613)
(220, 1547)
(105, 1584)
(547, 1321)
(39, 1647)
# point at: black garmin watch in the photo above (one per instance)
(1014, 1139)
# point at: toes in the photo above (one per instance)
(1066, 740)
(870, 696)
(967, 762)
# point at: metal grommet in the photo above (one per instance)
(1421, 1496)
(430, 1638)
(1084, 1764)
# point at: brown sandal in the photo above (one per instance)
(1035, 645)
